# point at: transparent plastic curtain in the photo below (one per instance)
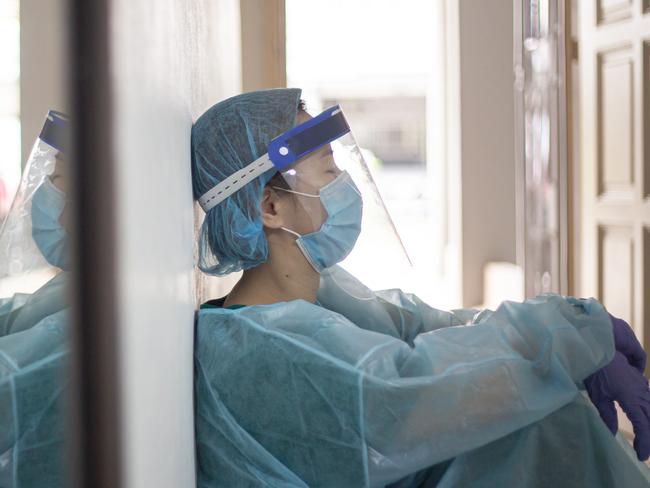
(541, 144)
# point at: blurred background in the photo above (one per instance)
(509, 140)
(10, 114)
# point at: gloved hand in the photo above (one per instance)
(620, 381)
(626, 342)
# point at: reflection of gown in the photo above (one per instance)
(33, 357)
(390, 390)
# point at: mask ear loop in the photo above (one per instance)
(291, 232)
(302, 248)
(296, 192)
(298, 241)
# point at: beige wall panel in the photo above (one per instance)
(43, 74)
(263, 44)
(613, 10)
(616, 283)
(487, 126)
(645, 306)
(646, 119)
(615, 120)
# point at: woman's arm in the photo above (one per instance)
(25, 310)
(9, 307)
(405, 316)
(393, 312)
(461, 387)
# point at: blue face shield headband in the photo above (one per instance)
(318, 160)
(283, 151)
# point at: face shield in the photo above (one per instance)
(338, 216)
(33, 240)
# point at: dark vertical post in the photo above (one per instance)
(95, 459)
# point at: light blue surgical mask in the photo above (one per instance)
(337, 236)
(48, 234)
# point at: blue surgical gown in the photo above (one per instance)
(34, 350)
(388, 391)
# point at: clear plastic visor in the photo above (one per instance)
(339, 214)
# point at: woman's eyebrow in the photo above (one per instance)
(328, 153)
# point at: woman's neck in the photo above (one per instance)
(285, 276)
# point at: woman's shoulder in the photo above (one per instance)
(293, 320)
(295, 324)
(214, 310)
(281, 334)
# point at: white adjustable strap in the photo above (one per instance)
(234, 182)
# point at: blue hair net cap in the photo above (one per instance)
(227, 137)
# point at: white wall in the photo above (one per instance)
(171, 59)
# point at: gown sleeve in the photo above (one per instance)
(33, 394)
(9, 307)
(512, 368)
(393, 312)
(24, 310)
(404, 316)
(330, 399)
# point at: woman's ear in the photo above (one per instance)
(271, 209)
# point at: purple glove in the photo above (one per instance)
(621, 382)
(626, 342)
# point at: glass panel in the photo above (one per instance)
(35, 221)
(538, 69)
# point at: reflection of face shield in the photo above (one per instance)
(32, 238)
(340, 216)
